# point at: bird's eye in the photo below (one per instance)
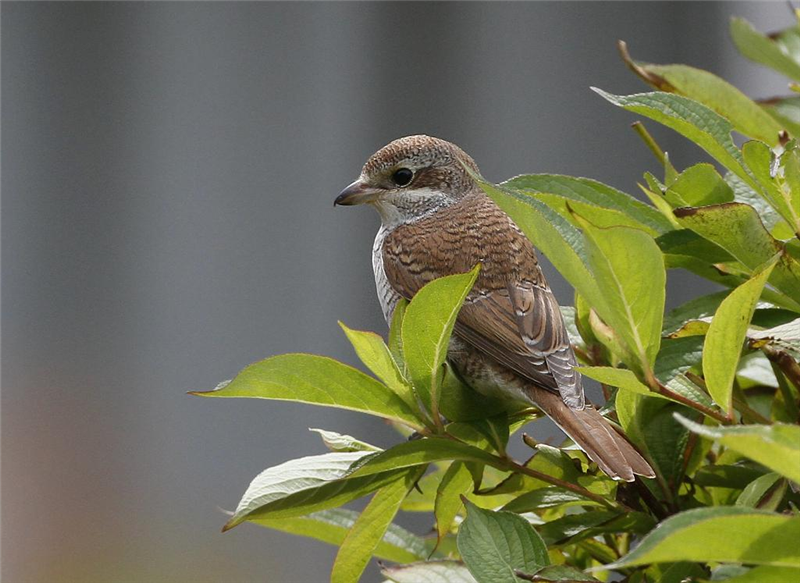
(402, 177)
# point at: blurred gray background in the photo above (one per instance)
(167, 178)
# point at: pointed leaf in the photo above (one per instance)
(748, 118)
(456, 482)
(633, 285)
(376, 356)
(370, 527)
(331, 526)
(761, 49)
(319, 381)
(494, 545)
(704, 535)
(419, 452)
(590, 192)
(343, 443)
(426, 330)
(305, 485)
(693, 120)
(725, 338)
(775, 446)
(758, 490)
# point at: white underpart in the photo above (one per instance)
(399, 208)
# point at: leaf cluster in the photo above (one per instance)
(709, 392)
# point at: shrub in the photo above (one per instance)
(709, 392)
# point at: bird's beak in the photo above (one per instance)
(357, 193)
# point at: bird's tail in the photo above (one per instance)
(595, 436)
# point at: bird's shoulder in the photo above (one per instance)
(453, 240)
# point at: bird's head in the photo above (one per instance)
(410, 178)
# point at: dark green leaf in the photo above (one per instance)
(549, 497)
(419, 452)
(574, 527)
(494, 545)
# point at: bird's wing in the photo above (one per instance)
(521, 327)
(511, 315)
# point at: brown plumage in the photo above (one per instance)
(509, 338)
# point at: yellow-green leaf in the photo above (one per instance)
(726, 334)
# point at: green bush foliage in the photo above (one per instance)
(708, 392)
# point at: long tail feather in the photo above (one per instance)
(595, 436)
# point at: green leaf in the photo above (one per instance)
(419, 452)
(775, 446)
(340, 442)
(693, 120)
(376, 356)
(370, 527)
(550, 497)
(737, 228)
(457, 481)
(331, 526)
(563, 573)
(786, 111)
(704, 535)
(584, 190)
(426, 330)
(761, 492)
(600, 216)
(747, 117)
(395, 334)
(767, 574)
(319, 381)
(460, 402)
(430, 572)
(633, 285)
(617, 377)
(494, 545)
(694, 309)
(699, 185)
(759, 159)
(305, 485)
(572, 528)
(761, 49)
(725, 338)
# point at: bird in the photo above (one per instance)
(509, 339)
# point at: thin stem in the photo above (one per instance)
(639, 128)
(708, 411)
(519, 468)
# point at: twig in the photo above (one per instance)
(708, 411)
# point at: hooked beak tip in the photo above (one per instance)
(356, 193)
